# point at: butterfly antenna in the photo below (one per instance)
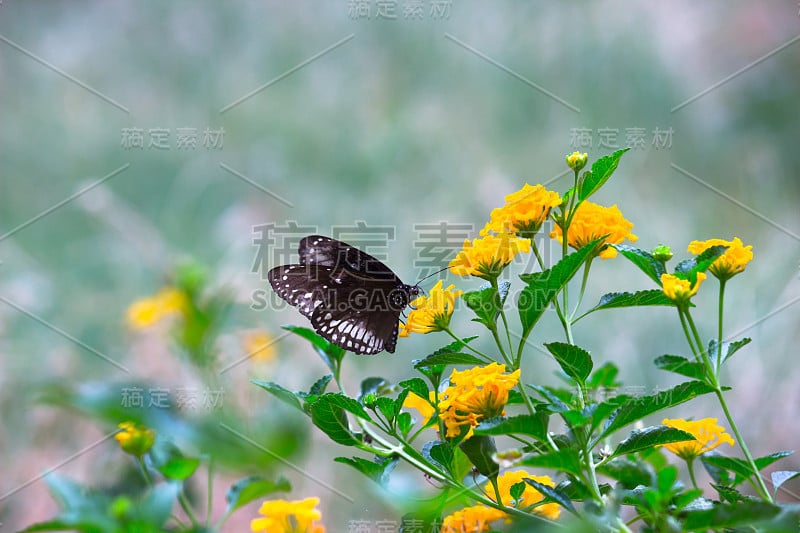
(433, 274)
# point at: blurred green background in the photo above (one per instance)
(433, 115)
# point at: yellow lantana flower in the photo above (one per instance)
(524, 212)
(282, 516)
(475, 519)
(425, 407)
(577, 160)
(474, 394)
(135, 439)
(167, 302)
(259, 345)
(431, 313)
(708, 433)
(487, 256)
(727, 265)
(529, 497)
(679, 290)
(592, 221)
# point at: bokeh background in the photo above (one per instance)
(394, 113)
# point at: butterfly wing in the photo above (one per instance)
(357, 331)
(303, 286)
(324, 251)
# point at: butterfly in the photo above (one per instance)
(352, 299)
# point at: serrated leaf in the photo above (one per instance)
(737, 466)
(556, 404)
(553, 494)
(320, 385)
(729, 515)
(616, 300)
(730, 494)
(404, 422)
(252, 488)
(763, 462)
(641, 439)
(330, 354)
(573, 360)
(603, 376)
(378, 471)
(386, 407)
(440, 453)
(646, 405)
(517, 489)
(533, 425)
(543, 286)
(782, 476)
(331, 418)
(563, 460)
(179, 468)
(486, 305)
(689, 268)
(644, 260)
(373, 385)
(728, 348)
(416, 385)
(629, 473)
(452, 358)
(285, 395)
(602, 169)
(681, 365)
(480, 450)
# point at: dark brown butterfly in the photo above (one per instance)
(352, 299)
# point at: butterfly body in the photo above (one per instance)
(351, 298)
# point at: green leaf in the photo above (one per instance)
(251, 488)
(740, 467)
(638, 408)
(729, 515)
(516, 490)
(345, 402)
(763, 462)
(179, 468)
(542, 287)
(629, 473)
(728, 348)
(320, 385)
(553, 494)
(615, 300)
(156, 507)
(730, 494)
(417, 386)
(603, 376)
(404, 422)
(285, 395)
(451, 358)
(331, 418)
(373, 385)
(330, 353)
(641, 439)
(480, 450)
(563, 460)
(386, 407)
(574, 360)
(533, 425)
(602, 169)
(642, 259)
(782, 476)
(689, 268)
(681, 365)
(486, 304)
(378, 470)
(440, 453)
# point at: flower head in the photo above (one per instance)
(679, 290)
(167, 302)
(524, 212)
(487, 256)
(727, 265)
(709, 435)
(662, 253)
(577, 160)
(592, 221)
(474, 394)
(530, 495)
(282, 516)
(431, 313)
(425, 407)
(474, 519)
(258, 345)
(135, 439)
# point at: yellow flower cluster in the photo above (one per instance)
(474, 394)
(431, 313)
(727, 265)
(524, 212)
(475, 519)
(592, 221)
(577, 160)
(167, 302)
(708, 433)
(529, 497)
(135, 439)
(487, 256)
(425, 407)
(680, 290)
(282, 516)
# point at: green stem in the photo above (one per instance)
(210, 490)
(187, 508)
(586, 268)
(467, 346)
(762, 489)
(690, 465)
(493, 281)
(719, 324)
